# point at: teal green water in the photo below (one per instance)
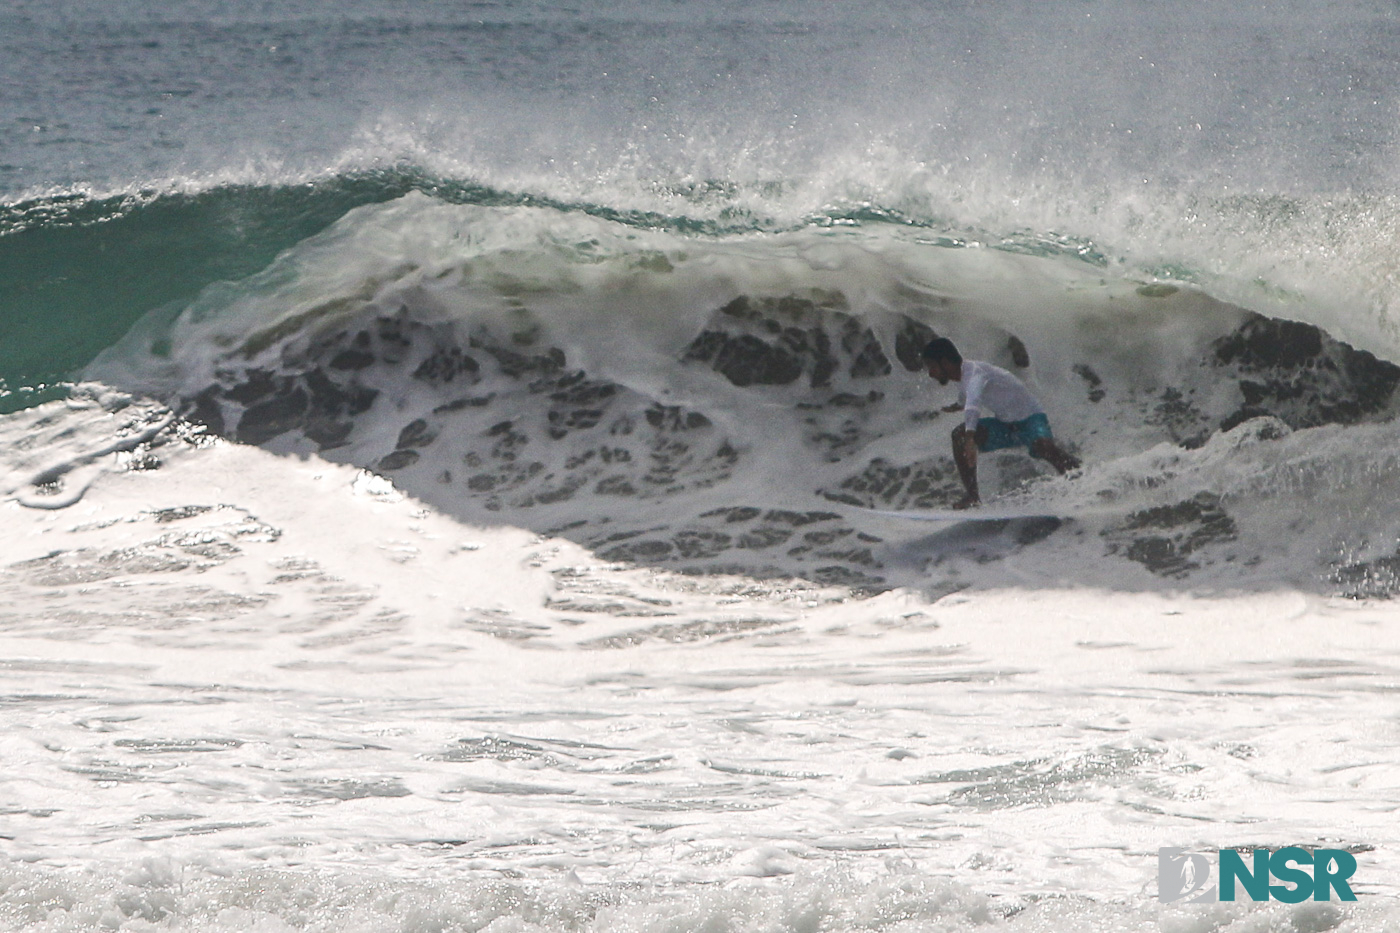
(79, 272)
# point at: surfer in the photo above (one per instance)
(1018, 419)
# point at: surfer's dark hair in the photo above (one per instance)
(941, 348)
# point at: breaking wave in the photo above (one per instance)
(735, 401)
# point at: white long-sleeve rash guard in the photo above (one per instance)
(991, 389)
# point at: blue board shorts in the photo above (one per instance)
(1004, 434)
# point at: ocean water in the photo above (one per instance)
(447, 450)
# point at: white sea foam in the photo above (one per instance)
(542, 593)
(252, 691)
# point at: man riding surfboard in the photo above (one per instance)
(998, 412)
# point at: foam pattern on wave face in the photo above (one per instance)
(705, 404)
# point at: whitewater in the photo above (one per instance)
(448, 450)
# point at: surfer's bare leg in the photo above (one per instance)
(965, 456)
(1047, 450)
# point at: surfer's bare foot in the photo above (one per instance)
(966, 502)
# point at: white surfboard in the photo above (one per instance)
(974, 514)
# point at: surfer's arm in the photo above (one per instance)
(972, 400)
